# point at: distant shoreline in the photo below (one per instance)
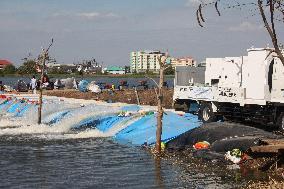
(90, 75)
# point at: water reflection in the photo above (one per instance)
(158, 172)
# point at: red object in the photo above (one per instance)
(201, 145)
(4, 63)
(3, 96)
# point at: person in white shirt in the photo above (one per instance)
(33, 84)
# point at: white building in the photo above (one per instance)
(143, 61)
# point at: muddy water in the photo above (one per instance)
(113, 80)
(30, 162)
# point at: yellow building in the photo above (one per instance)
(184, 61)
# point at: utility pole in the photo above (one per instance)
(44, 56)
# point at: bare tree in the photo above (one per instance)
(271, 12)
(43, 57)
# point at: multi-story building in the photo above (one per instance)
(145, 61)
(184, 61)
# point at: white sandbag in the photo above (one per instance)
(94, 88)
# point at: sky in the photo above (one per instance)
(108, 30)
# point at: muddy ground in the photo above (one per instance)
(146, 97)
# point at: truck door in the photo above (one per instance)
(270, 73)
(277, 92)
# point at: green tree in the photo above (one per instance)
(28, 67)
(10, 69)
(170, 71)
(56, 70)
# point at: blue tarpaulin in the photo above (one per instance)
(143, 131)
(83, 85)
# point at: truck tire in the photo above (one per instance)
(280, 122)
(206, 114)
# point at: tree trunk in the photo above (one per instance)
(160, 111)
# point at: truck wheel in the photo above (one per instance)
(206, 113)
(280, 122)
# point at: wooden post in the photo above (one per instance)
(40, 87)
(44, 56)
(137, 96)
(162, 62)
(160, 111)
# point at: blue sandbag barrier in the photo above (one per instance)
(16, 106)
(7, 105)
(89, 123)
(23, 109)
(143, 131)
(13, 108)
(107, 123)
(57, 117)
(103, 123)
(136, 130)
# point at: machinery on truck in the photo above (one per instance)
(246, 88)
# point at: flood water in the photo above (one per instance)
(27, 162)
(11, 81)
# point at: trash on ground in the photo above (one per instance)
(201, 145)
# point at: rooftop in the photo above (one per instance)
(115, 68)
(5, 62)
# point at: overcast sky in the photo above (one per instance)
(108, 30)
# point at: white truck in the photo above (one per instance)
(245, 88)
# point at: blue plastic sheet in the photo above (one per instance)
(83, 85)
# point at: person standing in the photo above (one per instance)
(1, 87)
(33, 84)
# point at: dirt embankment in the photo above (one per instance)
(146, 97)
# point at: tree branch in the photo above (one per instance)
(152, 80)
(198, 19)
(216, 7)
(271, 30)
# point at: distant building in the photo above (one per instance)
(4, 63)
(115, 70)
(202, 64)
(89, 66)
(184, 61)
(144, 61)
(53, 64)
(86, 66)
